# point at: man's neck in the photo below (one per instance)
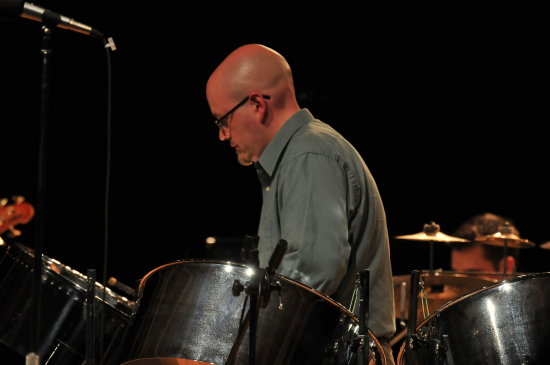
(280, 120)
(276, 124)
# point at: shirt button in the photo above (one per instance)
(267, 189)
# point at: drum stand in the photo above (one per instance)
(258, 288)
(412, 341)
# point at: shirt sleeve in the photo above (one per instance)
(313, 194)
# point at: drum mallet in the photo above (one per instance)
(411, 341)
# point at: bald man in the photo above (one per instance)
(317, 192)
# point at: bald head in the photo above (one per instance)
(262, 75)
(251, 68)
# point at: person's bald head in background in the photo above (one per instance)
(254, 71)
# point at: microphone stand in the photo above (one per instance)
(33, 358)
(252, 288)
(411, 342)
(90, 317)
(364, 313)
(255, 290)
(259, 288)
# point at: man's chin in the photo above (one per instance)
(243, 161)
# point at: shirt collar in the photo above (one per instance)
(271, 154)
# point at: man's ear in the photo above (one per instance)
(260, 105)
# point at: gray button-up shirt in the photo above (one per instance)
(319, 196)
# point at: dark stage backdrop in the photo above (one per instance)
(448, 108)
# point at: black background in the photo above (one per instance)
(447, 106)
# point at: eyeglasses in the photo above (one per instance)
(221, 124)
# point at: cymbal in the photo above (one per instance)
(440, 289)
(437, 237)
(513, 241)
(546, 245)
(431, 233)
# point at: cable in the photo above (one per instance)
(108, 48)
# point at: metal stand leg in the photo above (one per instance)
(33, 357)
(253, 327)
(505, 258)
(255, 266)
(258, 288)
(402, 304)
(90, 318)
(431, 257)
(413, 309)
(364, 313)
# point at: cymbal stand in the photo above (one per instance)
(364, 313)
(431, 229)
(411, 342)
(505, 258)
(431, 257)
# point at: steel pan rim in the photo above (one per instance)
(46, 270)
(188, 261)
(217, 262)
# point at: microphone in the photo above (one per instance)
(12, 9)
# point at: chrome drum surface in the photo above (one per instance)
(63, 310)
(187, 311)
(506, 323)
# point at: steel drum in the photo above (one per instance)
(186, 314)
(440, 289)
(63, 309)
(506, 323)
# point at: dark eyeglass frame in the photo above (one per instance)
(219, 121)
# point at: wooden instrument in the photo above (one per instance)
(17, 213)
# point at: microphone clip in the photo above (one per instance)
(110, 44)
